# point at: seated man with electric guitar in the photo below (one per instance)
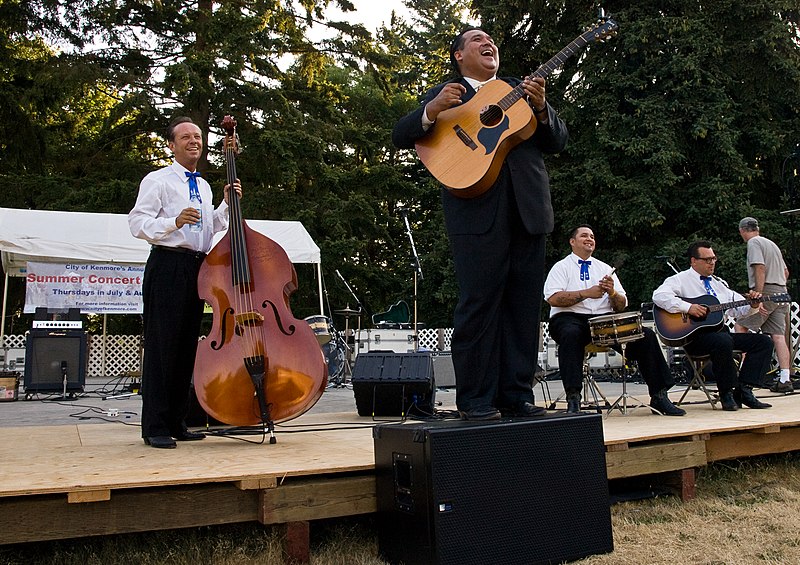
(688, 311)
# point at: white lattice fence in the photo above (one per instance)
(435, 339)
(122, 355)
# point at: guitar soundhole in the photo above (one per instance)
(491, 115)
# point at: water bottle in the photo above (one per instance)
(194, 202)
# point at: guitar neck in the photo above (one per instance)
(736, 304)
(575, 46)
(560, 58)
(517, 93)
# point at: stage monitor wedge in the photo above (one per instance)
(49, 354)
(394, 384)
(511, 491)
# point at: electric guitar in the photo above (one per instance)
(676, 329)
(466, 147)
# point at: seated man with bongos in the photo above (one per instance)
(580, 288)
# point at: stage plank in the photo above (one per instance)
(96, 457)
(94, 479)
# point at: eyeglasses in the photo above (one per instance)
(710, 260)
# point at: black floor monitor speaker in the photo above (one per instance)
(393, 384)
(49, 355)
(511, 491)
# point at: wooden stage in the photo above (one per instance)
(92, 479)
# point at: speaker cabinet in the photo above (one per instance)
(393, 384)
(443, 369)
(508, 491)
(51, 353)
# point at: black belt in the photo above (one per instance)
(185, 251)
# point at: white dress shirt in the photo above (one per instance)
(688, 284)
(163, 194)
(566, 275)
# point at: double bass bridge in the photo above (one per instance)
(249, 319)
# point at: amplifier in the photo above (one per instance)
(443, 370)
(511, 491)
(52, 354)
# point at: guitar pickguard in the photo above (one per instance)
(490, 137)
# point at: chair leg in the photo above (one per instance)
(699, 382)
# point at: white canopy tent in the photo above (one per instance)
(83, 237)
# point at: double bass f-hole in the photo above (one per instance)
(240, 322)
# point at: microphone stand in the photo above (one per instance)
(417, 274)
(669, 261)
(64, 377)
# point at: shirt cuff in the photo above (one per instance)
(426, 122)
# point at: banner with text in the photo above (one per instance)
(95, 289)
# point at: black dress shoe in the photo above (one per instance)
(161, 442)
(744, 396)
(728, 402)
(661, 404)
(524, 410)
(487, 413)
(573, 403)
(186, 435)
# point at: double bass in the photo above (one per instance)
(259, 364)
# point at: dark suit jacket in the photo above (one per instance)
(523, 170)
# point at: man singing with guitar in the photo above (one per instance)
(497, 237)
(686, 312)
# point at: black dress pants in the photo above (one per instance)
(500, 276)
(172, 315)
(720, 346)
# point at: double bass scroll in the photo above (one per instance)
(259, 364)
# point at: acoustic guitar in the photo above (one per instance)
(676, 329)
(466, 147)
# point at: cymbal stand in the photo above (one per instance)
(417, 274)
(359, 310)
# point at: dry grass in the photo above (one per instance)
(745, 512)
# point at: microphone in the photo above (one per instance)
(63, 367)
(403, 211)
(663, 257)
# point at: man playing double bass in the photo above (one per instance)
(580, 287)
(167, 216)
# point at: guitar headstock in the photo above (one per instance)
(601, 30)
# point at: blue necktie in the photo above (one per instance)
(584, 269)
(707, 284)
(194, 190)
